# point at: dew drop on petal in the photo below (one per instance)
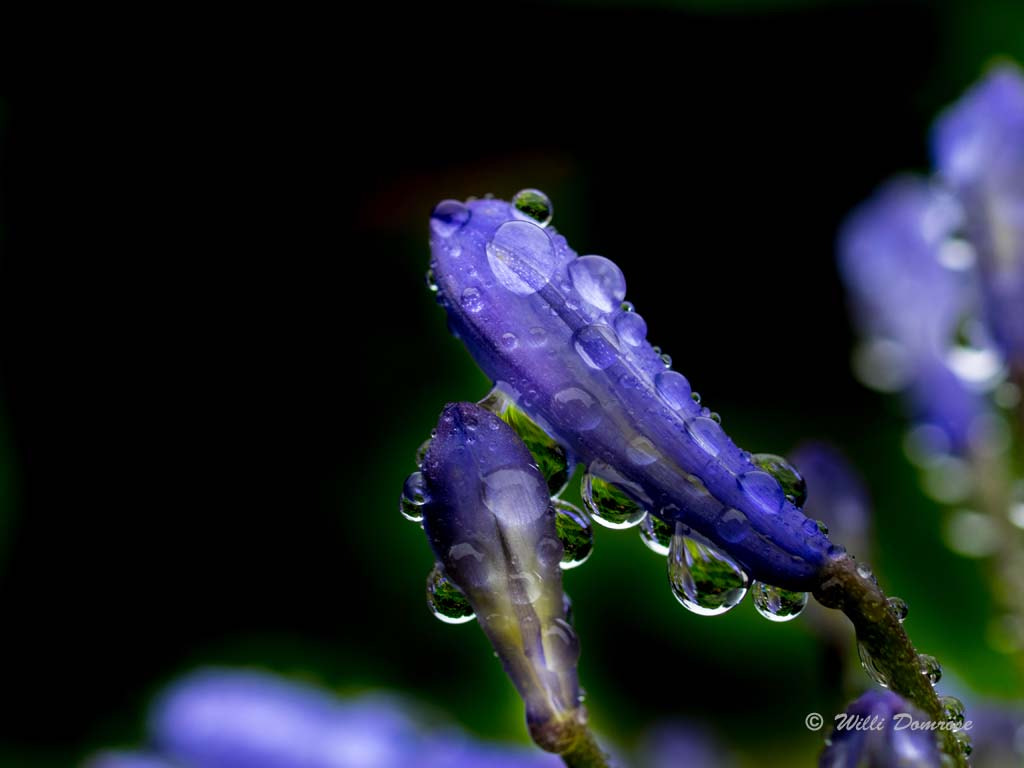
(597, 345)
(632, 328)
(521, 257)
(414, 496)
(673, 388)
(793, 484)
(445, 600)
(732, 525)
(575, 532)
(703, 579)
(472, 301)
(930, 667)
(777, 604)
(448, 217)
(577, 408)
(532, 205)
(707, 434)
(898, 608)
(598, 281)
(764, 490)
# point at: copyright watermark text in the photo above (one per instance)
(901, 721)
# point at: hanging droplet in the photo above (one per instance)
(421, 452)
(868, 662)
(521, 257)
(414, 496)
(695, 396)
(864, 571)
(715, 416)
(793, 484)
(953, 709)
(598, 281)
(656, 534)
(632, 328)
(777, 604)
(448, 217)
(898, 608)
(551, 458)
(445, 600)
(930, 667)
(666, 359)
(673, 388)
(763, 489)
(532, 205)
(609, 504)
(964, 742)
(431, 281)
(597, 345)
(704, 579)
(575, 532)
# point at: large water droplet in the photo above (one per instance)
(631, 328)
(704, 579)
(597, 345)
(873, 670)
(673, 388)
(898, 608)
(764, 490)
(577, 408)
(609, 504)
(445, 600)
(575, 532)
(656, 534)
(521, 257)
(707, 434)
(550, 456)
(532, 205)
(598, 281)
(954, 710)
(732, 525)
(777, 604)
(414, 496)
(421, 452)
(641, 451)
(512, 496)
(792, 482)
(448, 217)
(930, 667)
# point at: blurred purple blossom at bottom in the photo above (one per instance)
(233, 719)
(871, 737)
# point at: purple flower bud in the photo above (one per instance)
(979, 150)
(876, 732)
(490, 522)
(835, 494)
(908, 303)
(552, 332)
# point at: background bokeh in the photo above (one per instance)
(219, 356)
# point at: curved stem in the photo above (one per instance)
(585, 753)
(884, 638)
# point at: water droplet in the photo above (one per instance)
(551, 458)
(673, 388)
(777, 604)
(656, 534)
(793, 484)
(509, 341)
(822, 528)
(666, 358)
(631, 328)
(732, 525)
(549, 551)
(964, 742)
(525, 587)
(512, 496)
(609, 504)
(538, 337)
(836, 551)
(414, 496)
(598, 281)
(445, 600)
(974, 357)
(472, 301)
(930, 667)
(868, 662)
(577, 408)
(431, 281)
(448, 217)
(532, 205)
(521, 257)
(597, 345)
(764, 490)
(575, 532)
(421, 452)
(898, 608)
(708, 435)
(641, 451)
(864, 571)
(695, 396)
(715, 417)
(703, 579)
(627, 306)
(953, 709)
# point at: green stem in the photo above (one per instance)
(585, 753)
(884, 638)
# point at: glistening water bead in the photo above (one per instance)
(414, 496)
(874, 672)
(656, 534)
(704, 579)
(445, 600)
(533, 205)
(793, 484)
(574, 531)
(777, 604)
(609, 505)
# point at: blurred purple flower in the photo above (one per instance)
(869, 737)
(978, 145)
(670, 745)
(997, 736)
(835, 494)
(489, 520)
(553, 333)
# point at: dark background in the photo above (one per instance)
(219, 356)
